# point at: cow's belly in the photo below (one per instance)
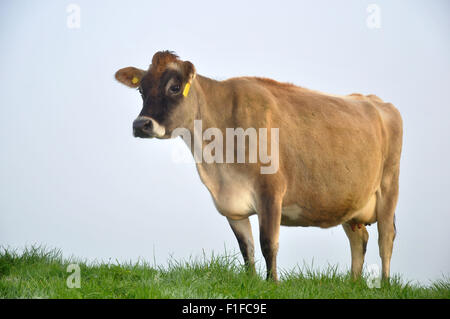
(295, 215)
(292, 215)
(234, 197)
(238, 203)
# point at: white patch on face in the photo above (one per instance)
(173, 66)
(158, 130)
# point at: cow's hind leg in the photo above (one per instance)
(243, 231)
(358, 237)
(386, 202)
(269, 217)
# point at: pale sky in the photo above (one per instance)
(73, 177)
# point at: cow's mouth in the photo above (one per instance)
(141, 134)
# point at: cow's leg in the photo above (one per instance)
(269, 216)
(358, 237)
(386, 201)
(243, 231)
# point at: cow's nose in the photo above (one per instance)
(142, 127)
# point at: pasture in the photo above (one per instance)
(42, 273)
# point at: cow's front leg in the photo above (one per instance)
(269, 216)
(243, 231)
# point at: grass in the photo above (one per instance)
(42, 273)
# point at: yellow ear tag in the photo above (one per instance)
(134, 80)
(186, 89)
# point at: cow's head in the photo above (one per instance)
(166, 92)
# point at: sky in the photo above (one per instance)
(72, 176)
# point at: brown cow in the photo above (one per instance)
(338, 156)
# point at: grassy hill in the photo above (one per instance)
(42, 273)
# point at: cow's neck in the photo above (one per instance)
(214, 108)
(215, 101)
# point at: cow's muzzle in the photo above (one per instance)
(146, 127)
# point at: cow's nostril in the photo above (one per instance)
(148, 125)
(143, 124)
(143, 127)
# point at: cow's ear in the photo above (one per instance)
(189, 71)
(130, 76)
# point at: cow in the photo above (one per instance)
(338, 155)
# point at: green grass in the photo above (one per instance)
(42, 273)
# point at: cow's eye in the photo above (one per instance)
(174, 89)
